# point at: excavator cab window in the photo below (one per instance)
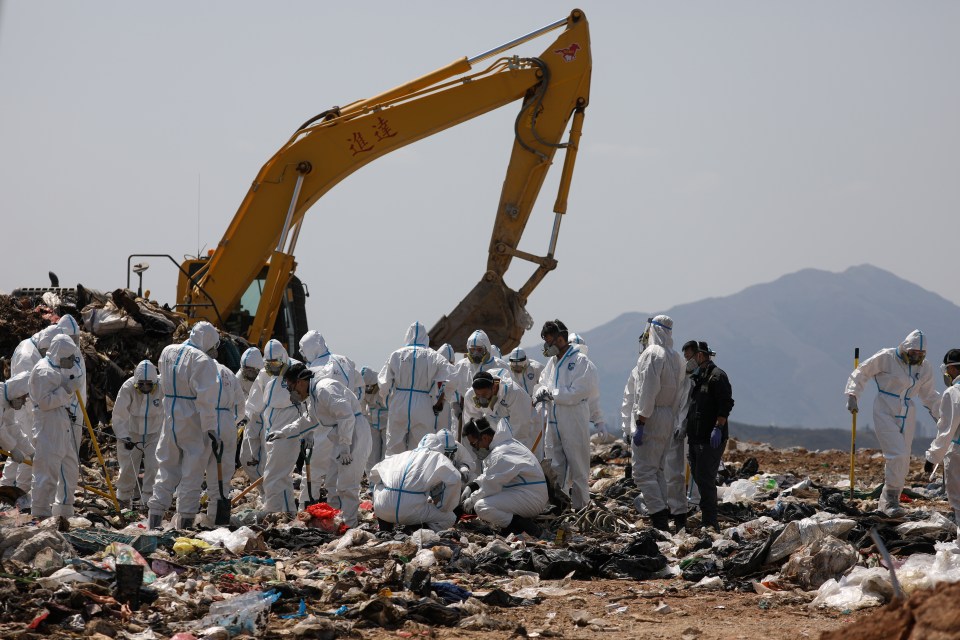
(291, 320)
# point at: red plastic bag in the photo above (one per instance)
(325, 517)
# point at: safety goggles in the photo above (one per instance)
(477, 354)
(915, 356)
(371, 388)
(273, 367)
(144, 386)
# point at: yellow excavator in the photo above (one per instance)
(245, 283)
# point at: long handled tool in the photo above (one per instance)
(29, 462)
(307, 454)
(96, 448)
(253, 485)
(222, 518)
(853, 430)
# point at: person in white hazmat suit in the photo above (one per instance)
(526, 373)
(230, 402)
(14, 394)
(137, 424)
(188, 379)
(902, 377)
(270, 399)
(331, 411)
(459, 454)
(323, 363)
(501, 402)
(945, 447)
(445, 407)
(512, 489)
(629, 400)
(27, 354)
(418, 487)
(56, 465)
(375, 410)
(660, 373)
(479, 358)
(407, 382)
(251, 364)
(567, 383)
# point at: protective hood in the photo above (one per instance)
(204, 336)
(502, 435)
(146, 372)
(312, 346)
(68, 326)
(62, 347)
(479, 339)
(915, 340)
(252, 358)
(577, 339)
(17, 386)
(416, 336)
(369, 376)
(518, 355)
(275, 351)
(447, 352)
(439, 441)
(661, 331)
(46, 336)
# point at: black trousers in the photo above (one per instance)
(704, 463)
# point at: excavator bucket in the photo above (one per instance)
(492, 306)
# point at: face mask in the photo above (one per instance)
(481, 402)
(644, 341)
(550, 350)
(915, 358)
(17, 403)
(66, 363)
(476, 357)
(517, 367)
(691, 365)
(296, 397)
(947, 379)
(450, 453)
(371, 389)
(145, 387)
(273, 367)
(249, 374)
(43, 353)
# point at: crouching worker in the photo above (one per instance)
(14, 394)
(512, 489)
(418, 487)
(328, 409)
(446, 443)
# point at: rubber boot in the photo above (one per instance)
(890, 504)
(661, 520)
(680, 522)
(519, 524)
(383, 525)
(155, 522)
(186, 522)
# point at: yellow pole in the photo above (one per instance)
(8, 454)
(96, 447)
(853, 431)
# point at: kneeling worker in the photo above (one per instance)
(417, 487)
(512, 490)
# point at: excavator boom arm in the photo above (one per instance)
(334, 145)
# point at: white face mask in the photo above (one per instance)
(550, 350)
(691, 365)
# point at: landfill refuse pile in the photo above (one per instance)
(795, 552)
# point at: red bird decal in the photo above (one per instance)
(569, 53)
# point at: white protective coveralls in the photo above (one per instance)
(333, 412)
(446, 418)
(946, 446)
(571, 380)
(252, 457)
(138, 417)
(375, 410)
(899, 385)
(10, 438)
(528, 376)
(510, 408)
(24, 358)
(270, 399)
(416, 487)
(56, 465)
(512, 483)
(407, 382)
(230, 402)
(188, 378)
(334, 366)
(461, 454)
(598, 429)
(660, 374)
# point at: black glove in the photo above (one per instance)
(928, 467)
(129, 444)
(437, 408)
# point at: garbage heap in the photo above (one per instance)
(786, 538)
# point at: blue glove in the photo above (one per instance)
(638, 435)
(716, 437)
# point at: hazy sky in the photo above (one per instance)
(771, 136)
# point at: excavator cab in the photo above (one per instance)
(291, 322)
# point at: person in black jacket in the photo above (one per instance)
(711, 400)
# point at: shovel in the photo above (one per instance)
(223, 503)
(307, 454)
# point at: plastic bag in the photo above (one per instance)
(125, 554)
(820, 561)
(247, 613)
(234, 541)
(325, 517)
(804, 532)
(740, 491)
